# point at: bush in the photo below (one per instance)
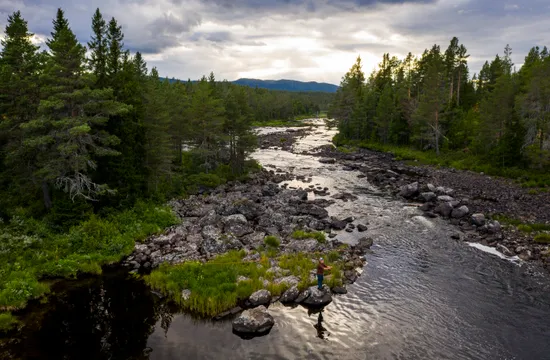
(525, 228)
(272, 241)
(543, 238)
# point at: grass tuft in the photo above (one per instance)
(543, 238)
(317, 235)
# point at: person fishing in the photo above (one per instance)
(321, 267)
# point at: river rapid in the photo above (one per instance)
(422, 295)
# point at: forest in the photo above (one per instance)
(428, 108)
(92, 142)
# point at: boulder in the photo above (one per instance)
(289, 280)
(290, 295)
(428, 196)
(339, 290)
(444, 209)
(364, 244)
(409, 191)
(256, 320)
(478, 219)
(338, 224)
(493, 227)
(303, 295)
(260, 297)
(362, 228)
(460, 212)
(445, 198)
(318, 297)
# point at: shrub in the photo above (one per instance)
(543, 238)
(272, 241)
(525, 228)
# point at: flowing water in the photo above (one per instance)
(422, 295)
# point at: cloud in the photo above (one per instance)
(302, 39)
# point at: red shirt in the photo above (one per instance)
(321, 268)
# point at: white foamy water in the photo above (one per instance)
(494, 251)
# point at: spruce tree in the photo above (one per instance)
(115, 52)
(67, 133)
(98, 50)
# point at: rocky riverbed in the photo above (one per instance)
(468, 200)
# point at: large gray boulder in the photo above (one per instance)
(428, 196)
(260, 297)
(318, 297)
(409, 191)
(256, 320)
(290, 295)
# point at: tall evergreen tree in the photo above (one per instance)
(98, 50)
(115, 53)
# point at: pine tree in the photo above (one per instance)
(67, 132)
(158, 154)
(115, 52)
(98, 50)
(19, 97)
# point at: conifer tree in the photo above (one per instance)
(98, 50)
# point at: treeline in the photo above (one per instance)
(501, 116)
(85, 128)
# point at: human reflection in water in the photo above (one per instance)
(319, 326)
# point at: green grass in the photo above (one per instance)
(543, 238)
(317, 235)
(31, 252)
(455, 159)
(214, 286)
(505, 220)
(272, 241)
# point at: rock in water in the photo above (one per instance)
(256, 320)
(260, 297)
(364, 244)
(318, 297)
(339, 290)
(362, 227)
(290, 295)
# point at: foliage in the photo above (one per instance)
(7, 322)
(272, 241)
(543, 238)
(497, 121)
(317, 235)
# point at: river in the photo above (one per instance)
(421, 295)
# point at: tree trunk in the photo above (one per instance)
(47, 197)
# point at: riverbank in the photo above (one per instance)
(523, 214)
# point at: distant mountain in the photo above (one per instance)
(283, 85)
(288, 85)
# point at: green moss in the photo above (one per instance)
(317, 235)
(525, 228)
(7, 322)
(543, 238)
(272, 241)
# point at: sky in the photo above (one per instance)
(307, 40)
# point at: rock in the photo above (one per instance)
(339, 290)
(426, 206)
(362, 228)
(327, 161)
(478, 219)
(290, 295)
(237, 224)
(493, 227)
(303, 295)
(445, 198)
(428, 196)
(444, 209)
(349, 219)
(460, 212)
(409, 191)
(260, 297)
(455, 236)
(241, 278)
(504, 250)
(275, 270)
(351, 275)
(338, 224)
(318, 297)
(431, 187)
(526, 255)
(256, 320)
(349, 230)
(289, 280)
(185, 294)
(364, 244)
